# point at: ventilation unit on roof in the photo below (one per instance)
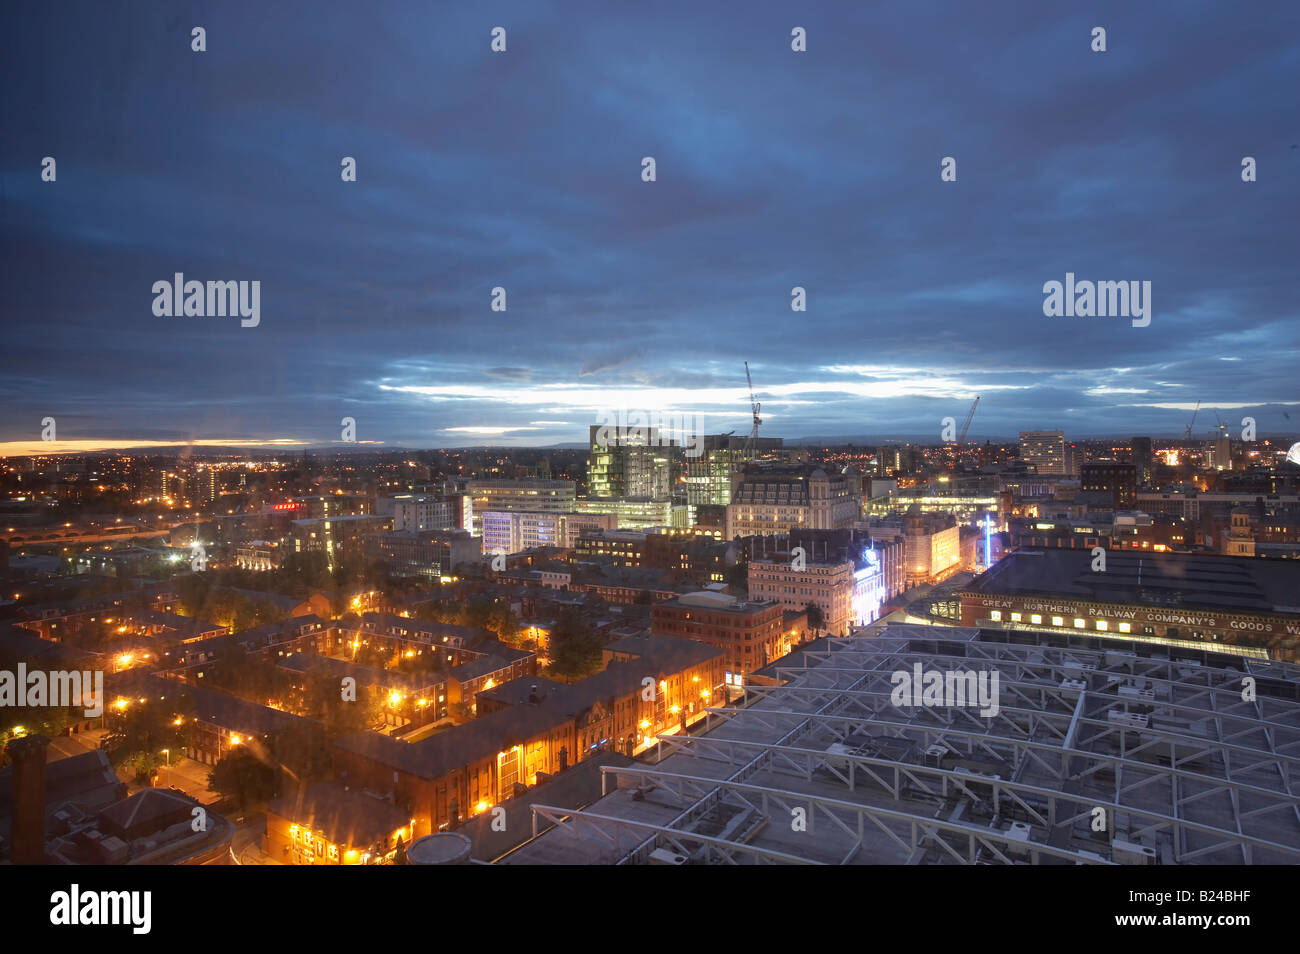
(1138, 695)
(1072, 687)
(1131, 853)
(1129, 720)
(662, 856)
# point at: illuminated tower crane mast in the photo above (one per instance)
(961, 441)
(755, 407)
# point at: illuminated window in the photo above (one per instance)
(1125, 628)
(1078, 623)
(1015, 617)
(1057, 621)
(1036, 619)
(996, 615)
(1101, 625)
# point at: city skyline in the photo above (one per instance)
(774, 170)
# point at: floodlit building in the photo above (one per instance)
(330, 824)
(847, 594)
(931, 546)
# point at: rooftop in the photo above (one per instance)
(1158, 738)
(345, 816)
(1227, 584)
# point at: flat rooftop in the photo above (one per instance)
(1223, 583)
(827, 768)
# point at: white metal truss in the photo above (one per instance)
(1171, 750)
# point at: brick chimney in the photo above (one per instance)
(28, 834)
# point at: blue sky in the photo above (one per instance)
(523, 170)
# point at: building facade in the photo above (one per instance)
(775, 501)
(634, 463)
(530, 493)
(749, 633)
(1044, 451)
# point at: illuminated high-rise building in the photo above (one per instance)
(1142, 458)
(1218, 453)
(631, 464)
(205, 485)
(1044, 451)
(711, 476)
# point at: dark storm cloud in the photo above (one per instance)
(522, 170)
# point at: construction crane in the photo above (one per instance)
(1193, 420)
(755, 407)
(966, 425)
(1220, 429)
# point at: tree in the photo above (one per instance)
(324, 699)
(148, 728)
(816, 618)
(193, 591)
(242, 776)
(299, 750)
(574, 648)
(247, 676)
(501, 619)
(737, 576)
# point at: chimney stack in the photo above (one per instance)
(28, 835)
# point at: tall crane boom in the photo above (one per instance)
(1193, 421)
(966, 426)
(755, 407)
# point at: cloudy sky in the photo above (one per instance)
(522, 169)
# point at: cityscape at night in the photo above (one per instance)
(691, 435)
